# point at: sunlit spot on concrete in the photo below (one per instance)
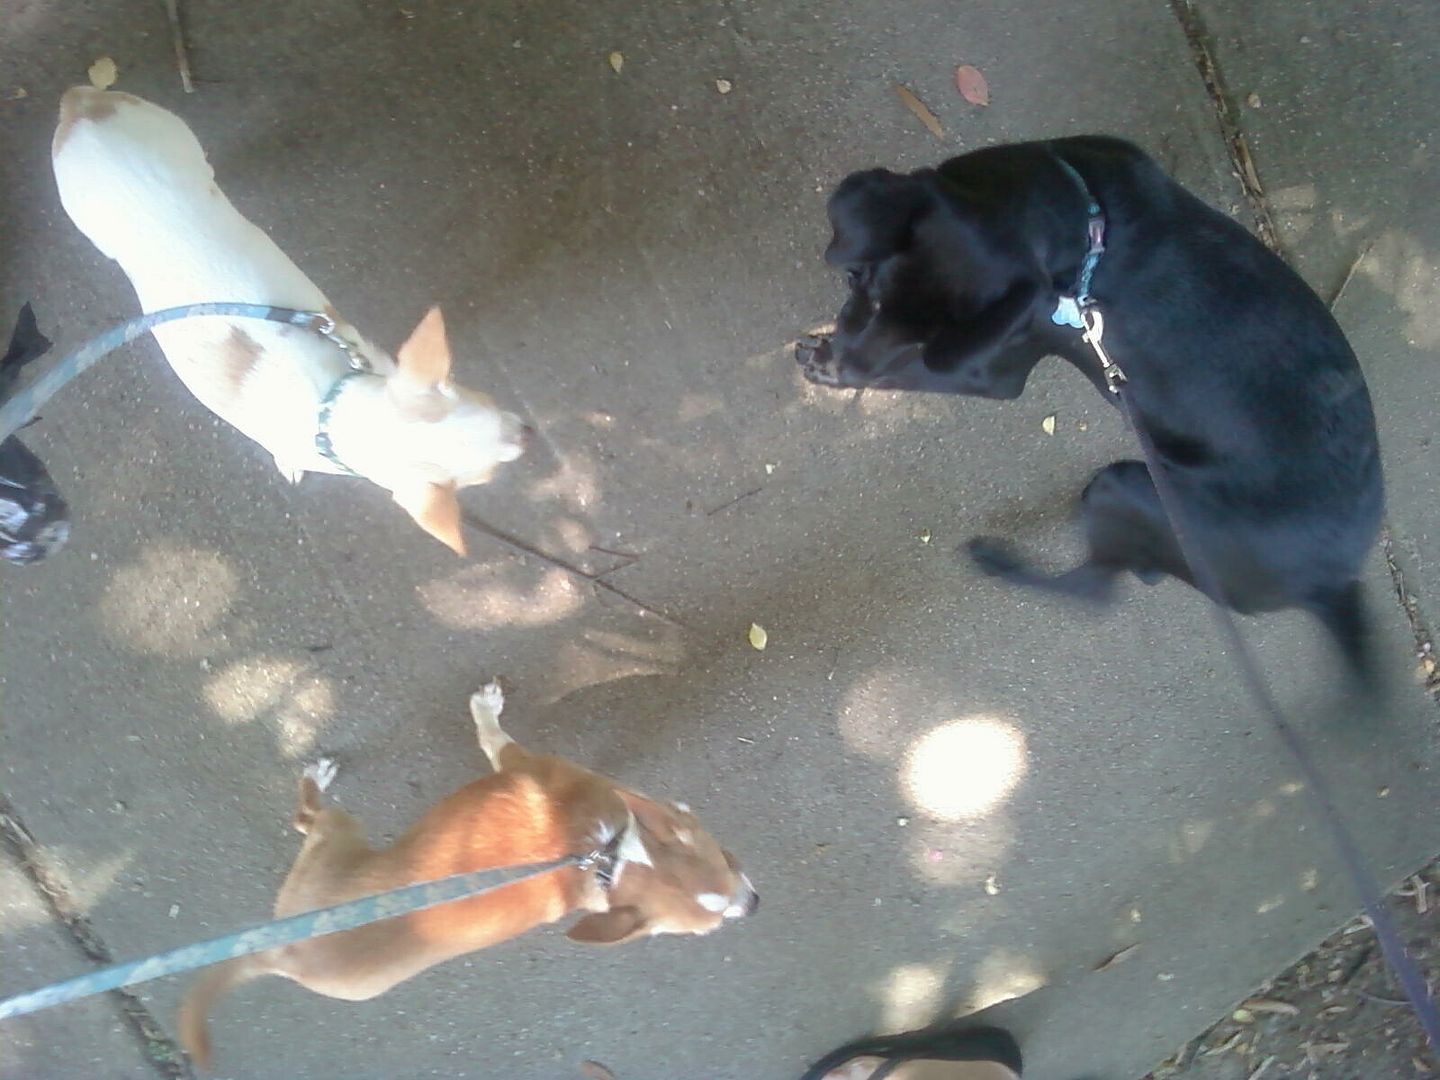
(575, 535)
(295, 701)
(1403, 267)
(600, 656)
(476, 598)
(911, 996)
(694, 407)
(169, 602)
(963, 769)
(86, 877)
(1191, 837)
(574, 484)
(1004, 975)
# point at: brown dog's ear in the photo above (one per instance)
(608, 927)
(436, 510)
(425, 356)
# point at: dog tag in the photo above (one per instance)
(1067, 313)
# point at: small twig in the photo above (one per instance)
(1376, 997)
(631, 555)
(1350, 274)
(177, 35)
(1263, 1066)
(732, 502)
(526, 548)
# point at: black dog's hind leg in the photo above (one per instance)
(1342, 612)
(1125, 528)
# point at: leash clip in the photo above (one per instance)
(603, 861)
(1094, 335)
(324, 325)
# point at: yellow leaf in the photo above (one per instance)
(1048, 424)
(757, 636)
(617, 61)
(103, 73)
(921, 110)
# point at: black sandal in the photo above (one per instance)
(952, 1042)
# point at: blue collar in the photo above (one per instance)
(1067, 311)
(323, 443)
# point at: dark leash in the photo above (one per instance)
(20, 408)
(310, 924)
(1088, 316)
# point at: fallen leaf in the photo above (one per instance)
(918, 107)
(103, 73)
(769, 468)
(1253, 100)
(1243, 1016)
(18, 93)
(1048, 424)
(1118, 958)
(1270, 1005)
(972, 85)
(596, 1071)
(925, 536)
(992, 887)
(757, 636)
(724, 85)
(617, 61)
(1227, 1045)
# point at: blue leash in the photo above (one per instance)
(22, 406)
(310, 924)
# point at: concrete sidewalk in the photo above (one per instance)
(948, 793)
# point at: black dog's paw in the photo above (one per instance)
(994, 556)
(817, 360)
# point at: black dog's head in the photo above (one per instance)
(940, 277)
(34, 520)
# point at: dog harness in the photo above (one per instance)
(1067, 311)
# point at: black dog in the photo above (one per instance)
(34, 520)
(1254, 398)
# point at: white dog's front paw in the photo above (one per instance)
(490, 698)
(322, 771)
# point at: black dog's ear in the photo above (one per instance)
(26, 344)
(873, 214)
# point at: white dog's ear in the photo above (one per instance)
(436, 510)
(425, 356)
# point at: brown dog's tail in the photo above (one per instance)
(204, 992)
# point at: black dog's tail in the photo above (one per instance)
(1343, 612)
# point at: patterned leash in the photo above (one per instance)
(22, 406)
(310, 924)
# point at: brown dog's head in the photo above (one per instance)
(673, 878)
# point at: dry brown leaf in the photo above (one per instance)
(617, 61)
(1118, 958)
(921, 110)
(972, 85)
(1048, 424)
(596, 1071)
(757, 636)
(103, 73)
(1270, 1005)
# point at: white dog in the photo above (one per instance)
(134, 179)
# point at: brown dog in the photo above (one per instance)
(670, 876)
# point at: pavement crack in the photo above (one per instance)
(159, 1049)
(1429, 671)
(1227, 115)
